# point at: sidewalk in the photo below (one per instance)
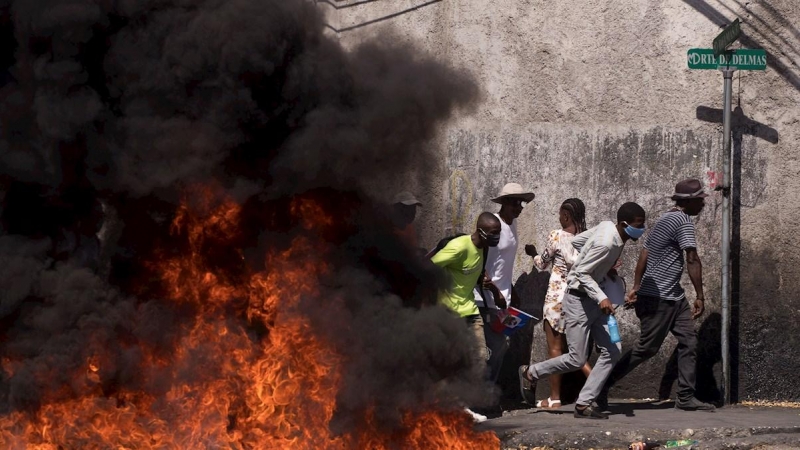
(733, 427)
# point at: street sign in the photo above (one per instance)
(726, 38)
(739, 59)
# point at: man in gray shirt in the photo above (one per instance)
(586, 309)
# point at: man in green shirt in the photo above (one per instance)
(462, 258)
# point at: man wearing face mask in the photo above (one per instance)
(586, 309)
(659, 299)
(463, 260)
(500, 272)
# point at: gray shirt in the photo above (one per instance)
(599, 248)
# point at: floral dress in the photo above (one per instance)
(560, 253)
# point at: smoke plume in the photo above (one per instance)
(112, 110)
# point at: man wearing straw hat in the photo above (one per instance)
(500, 272)
(659, 299)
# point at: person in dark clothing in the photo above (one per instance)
(659, 299)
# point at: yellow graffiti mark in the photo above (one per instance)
(459, 220)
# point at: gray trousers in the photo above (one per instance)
(583, 316)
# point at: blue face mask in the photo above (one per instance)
(634, 233)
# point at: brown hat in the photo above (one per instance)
(689, 189)
(514, 190)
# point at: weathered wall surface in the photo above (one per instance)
(593, 100)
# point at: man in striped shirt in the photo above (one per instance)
(659, 299)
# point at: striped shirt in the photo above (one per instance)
(665, 244)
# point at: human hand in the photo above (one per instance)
(631, 296)
(486, 282)
(607, 307)
(530, 250)
(699, 307)
(500, 301)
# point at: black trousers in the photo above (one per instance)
(659, 317)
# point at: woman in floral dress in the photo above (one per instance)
(559, 254)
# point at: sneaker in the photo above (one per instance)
(478, 418)
(589, 412)
(694, 404)
(527, 386)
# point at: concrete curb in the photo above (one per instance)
(733, 427)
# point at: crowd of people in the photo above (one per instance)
(583, 263)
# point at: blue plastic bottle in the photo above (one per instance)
(613, 330)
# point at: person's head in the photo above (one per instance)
(488, 229)
(630, 220)
(573, 212)
(511, 207)
(512, 199)
(404, 209)
(689, 196)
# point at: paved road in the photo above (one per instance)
(736, 427)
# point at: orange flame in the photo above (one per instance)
(231, 389)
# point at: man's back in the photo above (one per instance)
(463, 261)
(669, 238)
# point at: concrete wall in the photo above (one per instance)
(593, 99)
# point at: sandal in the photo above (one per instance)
(548, 404)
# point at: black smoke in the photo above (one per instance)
(111, 109)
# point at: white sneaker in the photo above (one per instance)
(478, 418)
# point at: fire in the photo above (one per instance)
(228, 386)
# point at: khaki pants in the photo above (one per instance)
(475, 324)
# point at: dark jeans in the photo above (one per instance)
(497, 343)
(658, 317)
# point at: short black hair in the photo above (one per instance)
(487, 219)
(628, 212)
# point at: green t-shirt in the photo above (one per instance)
(463, 262)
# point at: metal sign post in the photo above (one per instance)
(726, 231)
(726, 61)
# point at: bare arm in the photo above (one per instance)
(641, 265)
(695, 269)
(499, 298)
(543, 261)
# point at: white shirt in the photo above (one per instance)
(500, 265)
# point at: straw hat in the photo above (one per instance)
(514, 190)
